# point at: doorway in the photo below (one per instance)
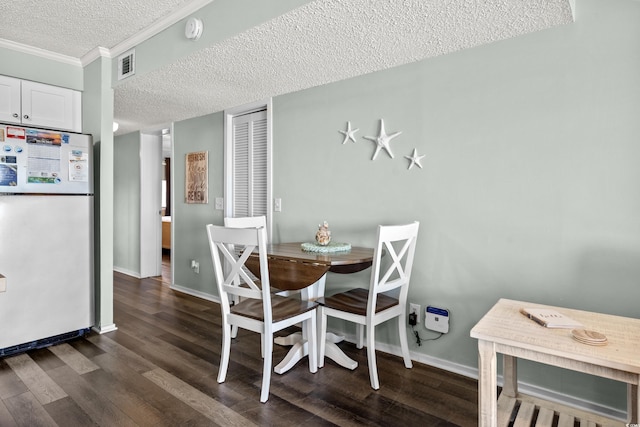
(167, 205)
(156, 203)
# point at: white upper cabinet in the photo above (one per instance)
(40, 105)
(10, 110)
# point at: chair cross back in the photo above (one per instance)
(237, 272)
(387, 237)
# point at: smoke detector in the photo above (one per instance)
(193, 29)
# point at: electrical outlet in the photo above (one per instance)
(415, 308)
(195, 266)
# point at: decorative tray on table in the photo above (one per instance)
(331, 247)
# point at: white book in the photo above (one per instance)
(550, 318)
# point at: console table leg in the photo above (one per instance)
(510, 375)
(487, 385)
(633, 404)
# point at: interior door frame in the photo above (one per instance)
(229, 114)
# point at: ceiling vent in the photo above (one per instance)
(126, 64)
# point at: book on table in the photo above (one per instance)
(550, 318)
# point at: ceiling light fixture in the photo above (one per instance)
(115, 126)
(193, 29)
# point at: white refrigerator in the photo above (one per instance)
(46, 237)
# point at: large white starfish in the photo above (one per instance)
(349, 133)
(415, 159)
(382, 140)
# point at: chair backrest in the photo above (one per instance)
(393, 261)
(246, 222)
(234, 246)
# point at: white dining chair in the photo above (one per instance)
(391, 271)
(259, 310)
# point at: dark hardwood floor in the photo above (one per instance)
(159, 369)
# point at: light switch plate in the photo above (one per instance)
(219, 203)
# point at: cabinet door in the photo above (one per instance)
(9, 100)
(50, 106)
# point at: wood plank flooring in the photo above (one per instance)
(159, 369)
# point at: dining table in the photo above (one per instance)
(291, 268)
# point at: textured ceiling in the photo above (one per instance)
(75, 27)
(321, 42)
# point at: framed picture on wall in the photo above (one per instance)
(197, 177)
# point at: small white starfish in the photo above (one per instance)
(382, 140)
(349, 133)
(415, 159)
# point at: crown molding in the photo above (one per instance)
(98, 52)
(158, 26)
(121, 47)
(43, 53)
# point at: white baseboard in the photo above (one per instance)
(198, 294)
(127, 272)
(104, 329)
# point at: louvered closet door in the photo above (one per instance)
(250, 164)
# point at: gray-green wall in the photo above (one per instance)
(529, 187)
(126, 204)
(28, 67)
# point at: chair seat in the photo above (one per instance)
(355, 301)
(259, 284)
(281, 308)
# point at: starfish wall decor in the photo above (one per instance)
(382, 140)
(349, 133)
(382, 143)
(414, 159)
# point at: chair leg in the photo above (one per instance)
(235, 299)
(226, 350)
(322, 338)
(312, 343)
(360, 336)
(402, 321)
(266, 368)
(371, 357)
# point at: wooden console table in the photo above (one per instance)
(505, 330)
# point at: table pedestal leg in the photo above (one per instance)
(333, 352)
(299, 347)
(289, 339)
(297, 341)
(299, 350)
(487, 385)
